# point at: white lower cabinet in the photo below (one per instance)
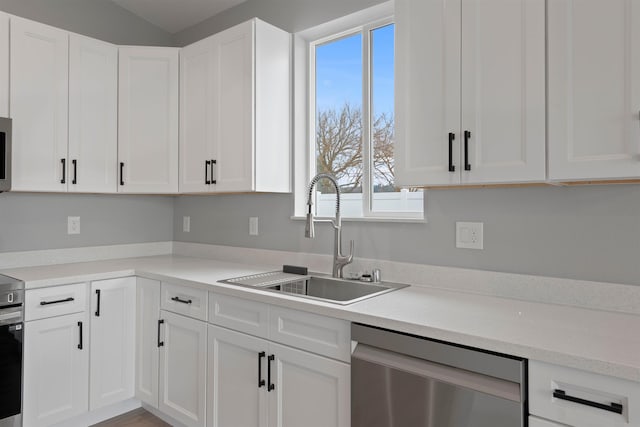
(577, 398)
(256, 382)
(537, 422)
(147, 340)
(309, 390)
(56, 369)
(183, 360)
(113, 305)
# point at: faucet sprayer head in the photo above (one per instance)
(309, 228)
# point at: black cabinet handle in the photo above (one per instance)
(75, 171)
(183, 301)
(64, 171)
(213, 162)
(98, 304)
(452, 137)
(613, 407)
(58, 301)
(270, 386)
(261, 381)
(207, 163)
(467, 135)
(80, 327)
(160, 343)
(121, 173)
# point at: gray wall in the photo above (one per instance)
(101, 19)
(290, 15)
(39, 221)
(590, 233)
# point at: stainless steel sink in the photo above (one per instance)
(321, 288)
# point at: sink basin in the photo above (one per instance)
(337, 291)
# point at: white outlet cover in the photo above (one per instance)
(253, 226)
(470, 235)
(73, 225)
(186, 224)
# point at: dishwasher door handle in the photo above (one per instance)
(458, 377)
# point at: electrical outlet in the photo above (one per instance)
(469, 235)
(186, 224)
(253, 226)
(73, 225)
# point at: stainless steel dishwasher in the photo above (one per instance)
(400, 380)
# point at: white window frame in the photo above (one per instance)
(361, 22)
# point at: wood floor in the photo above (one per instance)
(135, 418)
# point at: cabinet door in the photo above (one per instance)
(147, 341)
(236, 365)
(310, 390)
(196, 116)
(427, 92)
(503, 91)
(93, 115)
(148, 120)
(39, 106)
(183, 364)
(4, 65)
(56, 369)
(594, 89)
(112, 341)
(233, 109)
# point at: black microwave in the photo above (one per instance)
(5, 154)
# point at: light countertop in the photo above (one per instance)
(593, 340)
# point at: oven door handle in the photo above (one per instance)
(458, 377)
(9, 318)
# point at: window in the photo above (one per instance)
(351, 123)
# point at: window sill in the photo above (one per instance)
(371, 219)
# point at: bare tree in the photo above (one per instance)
(339, 149)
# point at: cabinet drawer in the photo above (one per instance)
(55, 301)
(318, 334)
(586, 387)
(184, 300)
(238, 314)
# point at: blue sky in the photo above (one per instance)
(339, 72)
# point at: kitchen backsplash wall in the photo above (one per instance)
(39, 221)
(101, 19)
(588, 233)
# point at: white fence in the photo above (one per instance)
(351, 203)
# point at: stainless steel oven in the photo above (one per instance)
(11, 317)
(5, 154)
(400, 380)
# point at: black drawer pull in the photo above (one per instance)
(59, 301)
(64, 171)
(261, 381)
(613, 407)
(271, 385)
(160, 343)
(467, 165)
(121, 173)
(452, 137)
(206, 172)
(184, 301)
(80, 327)
(98, 304)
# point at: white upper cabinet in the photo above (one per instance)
(93, 115)
(4, 65)
(196, 115)
(148, 120)
(235, 111)
(39, 106)
(594, 89)
(470, 82)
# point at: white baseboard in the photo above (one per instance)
(101, 414)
